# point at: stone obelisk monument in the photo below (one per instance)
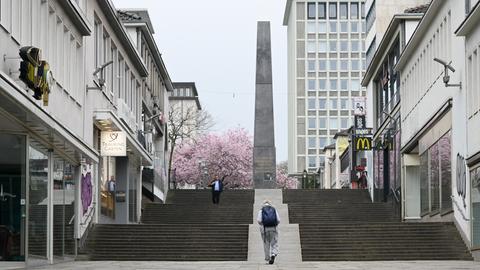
(264, 157)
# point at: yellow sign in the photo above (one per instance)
(342, 144)
(363, 143)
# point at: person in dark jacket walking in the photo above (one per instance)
(268, 219)
(217, 188)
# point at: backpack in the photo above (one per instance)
(269, 216)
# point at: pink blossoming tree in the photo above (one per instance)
(228, 155)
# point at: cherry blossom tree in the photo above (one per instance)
(228, 156)
(283, 180)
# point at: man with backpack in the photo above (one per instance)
(268, 219)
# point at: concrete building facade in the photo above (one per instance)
(326, 60)
(439, 175)
(73, 123)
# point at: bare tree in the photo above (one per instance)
(185, 123)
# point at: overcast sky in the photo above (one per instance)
(213, 43)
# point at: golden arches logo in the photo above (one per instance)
(363, 143)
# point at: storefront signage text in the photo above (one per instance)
(113, 144)
(363, 143)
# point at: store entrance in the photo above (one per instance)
(12, 197)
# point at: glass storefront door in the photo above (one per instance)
(63, 208)
(108, 186)
(12, 197)
(38, 202)
(475, 198)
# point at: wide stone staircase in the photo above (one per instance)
(344, 225)
(187, 228)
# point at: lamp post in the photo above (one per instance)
(304, 178)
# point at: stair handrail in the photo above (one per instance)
(71, 220)
(459, 209)
(90, 213)
(394, 192)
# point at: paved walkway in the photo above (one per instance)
(288, 234)
(411, 265)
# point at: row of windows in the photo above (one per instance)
(321, 27)
(121, 81)
(473, 80)
(322, 142)
(333, 65)
(312, 161)
(47, 31)
(183, 92)
(335, 10)
(331, 46)
(333, 84)
(333, 123)
(331, 104)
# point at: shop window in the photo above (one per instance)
(108, 186)
(424, 199)
(445, 155)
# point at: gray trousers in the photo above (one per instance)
(270, 241)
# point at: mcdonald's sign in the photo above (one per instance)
(363, 143)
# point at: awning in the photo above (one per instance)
(17, 107)
(106, 120)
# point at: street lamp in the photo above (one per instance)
(304, 178)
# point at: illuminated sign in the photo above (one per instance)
(363, 143)
(113, 144)
(359, 106)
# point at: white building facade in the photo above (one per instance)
(436, 117)
(326, 61)
(62, 170)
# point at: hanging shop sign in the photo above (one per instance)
(363, 143)
(113, 144)
(359, 106)
(363, 131)
(35, 73)
(360, 122)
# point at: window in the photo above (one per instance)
(344, 123)
(355, 45)
(333, 46)
(322, 11)
(334, 123)
(371, 16)
(322, 65)
(332, 10)
(322, 142)
(344, 65)
(322, 104)
(343, 10)
(97, 32)
(311, 47)
(311, 11)
(333, 84)
(362, 10)
(311, 65)
(311, 104)
(311, 84)
(312, 123)
(355, 65)
(312, 142)
(311, 28)
(334, 104)
(333, 27)
(322, 123)
(354, 27)
(188, 92)
(343, 27)
(312, 162)
(333, 65)
(322, 27)
(344, 84)
(343, 46)
(322, 84)
(355, 84)
(322, 46)
(344, 104)
(353, 10)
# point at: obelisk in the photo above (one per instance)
(264, 157)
